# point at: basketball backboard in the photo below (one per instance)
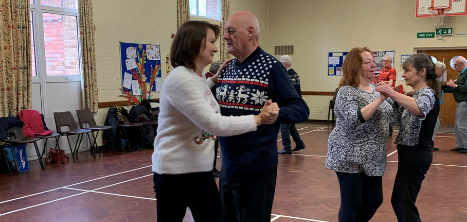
(458, 7)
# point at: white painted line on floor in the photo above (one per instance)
(275, 218)
(18, 198)
(306, 128)
(391, 153)
(63, 198)
(113, 194)
(319, 129)
(435, 164)
(298, 154)
(123, 182)
(298, 218)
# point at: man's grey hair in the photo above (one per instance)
(286, 59)
(215, 66)
(440, 65)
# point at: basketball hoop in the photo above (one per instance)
(438, 13)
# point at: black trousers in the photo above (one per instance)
(248, 196)
(361, 196)
(414, 163)
(197, 191)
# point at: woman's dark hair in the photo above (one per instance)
(420, 61)
(187, 43)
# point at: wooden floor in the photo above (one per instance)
(118, 186)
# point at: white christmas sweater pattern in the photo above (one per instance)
(247, 87)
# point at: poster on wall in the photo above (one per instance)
(335, 61)
(378, 56)
(167, 65)
(140, 61)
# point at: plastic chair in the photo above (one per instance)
(66, 119)
(19, 138)
(85, 118)
(331, 105)
(127, 124)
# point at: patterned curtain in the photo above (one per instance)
(183, 12)
(15, 57)
(225, 15)
(89, 76)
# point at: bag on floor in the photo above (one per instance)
(21, 157)
(9, 160)
(56, 156)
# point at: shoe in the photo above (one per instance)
(216, 173)
(284, 151)
(297, 148)
(464, 150)
(457, 149)
(435, 149)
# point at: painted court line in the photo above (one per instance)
(113, 194)
(319, 129)
(299, 218)
(303, 128)
(435, 164)
(298, 154)
(111, 185)
(18, 198)
(275, 218)
(446, 136)
(391, 153)
(63, 198)
(74, 195)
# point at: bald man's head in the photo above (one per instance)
(460, 63)
(241, 34)
(387, 62)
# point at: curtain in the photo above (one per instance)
(87, 29)
(183, 12)
(15, 57)
(225, 15)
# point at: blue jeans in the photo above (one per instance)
(288, 130)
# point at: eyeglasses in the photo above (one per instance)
(387, 61)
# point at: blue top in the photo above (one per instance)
(242, 89)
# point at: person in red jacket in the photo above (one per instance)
(387, 73)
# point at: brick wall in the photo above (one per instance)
(61, 44)
(211, 8)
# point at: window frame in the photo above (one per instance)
(219, 11)
(37, 11)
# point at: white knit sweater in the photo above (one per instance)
(187, 111)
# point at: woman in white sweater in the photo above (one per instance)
(189, 121)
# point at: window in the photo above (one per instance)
(61, 44)
(54, 38)
(61, 3)
(206, 8)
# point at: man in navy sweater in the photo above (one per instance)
(249, 161)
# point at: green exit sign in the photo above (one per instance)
(424, 35)
(444, 31)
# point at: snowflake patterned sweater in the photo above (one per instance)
(242, 89)
(189, 117)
